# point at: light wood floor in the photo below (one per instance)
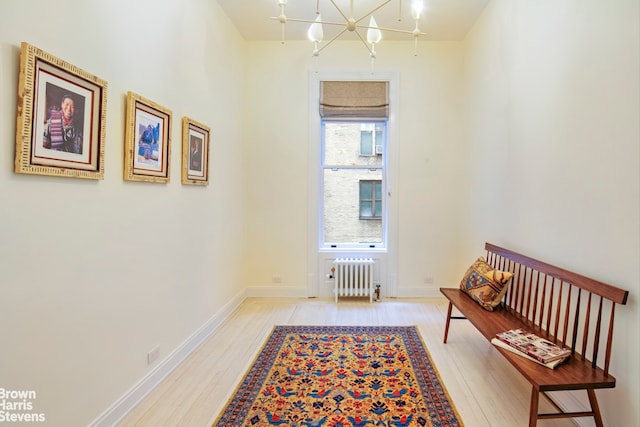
(485, 389)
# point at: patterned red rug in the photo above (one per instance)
(341, 376)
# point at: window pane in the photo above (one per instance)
(341, 216)
(343, 144)
(352, 168)
(378, 209)
(365, 190)
(365, 208)
(366, 142)
(378, 199)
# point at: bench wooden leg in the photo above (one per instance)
(533, 407)
(446, 325)
(594, 407)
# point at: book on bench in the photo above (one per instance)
(532, 346)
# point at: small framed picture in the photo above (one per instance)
(61, 121)
(195, 152)
(147, 140)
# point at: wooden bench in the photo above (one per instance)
(567, 308)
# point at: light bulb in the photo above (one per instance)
(315, 32)
(416, 9)
(374, 35)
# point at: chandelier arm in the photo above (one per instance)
(340, 10)
(310, 21)
(364, 42)
(393, 30)
(332, 40)
(372, 11)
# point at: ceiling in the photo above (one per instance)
(442, 20)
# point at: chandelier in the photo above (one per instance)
(353, 24)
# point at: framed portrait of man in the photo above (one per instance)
(195, 152)
(61, 118)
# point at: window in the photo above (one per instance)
(370, 199)
(352, 186)
(366, 143)
(371, 139)
(353, 124)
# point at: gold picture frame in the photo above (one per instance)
(195, 152)
(147, 154)
(61, 120)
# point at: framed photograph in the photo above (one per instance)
(62, 113)
(195, 152)
(147, 140)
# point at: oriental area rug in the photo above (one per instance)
(340, 376)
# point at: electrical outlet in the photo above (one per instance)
(428, 280)
(276, 279)
(152, 356)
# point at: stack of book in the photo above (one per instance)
(532, 347)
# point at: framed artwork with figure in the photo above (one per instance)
(195, 152)
(147, 140)
(61, 120)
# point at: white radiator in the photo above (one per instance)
(353, 277)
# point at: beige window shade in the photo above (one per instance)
(367, 99)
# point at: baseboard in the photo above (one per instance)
(126, 403)
(419, 292)
(269, 291)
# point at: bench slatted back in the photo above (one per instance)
(569, 309)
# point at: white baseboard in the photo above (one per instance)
(269, 291)
(419, 292)
(126, 403)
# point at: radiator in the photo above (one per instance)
(353, 277)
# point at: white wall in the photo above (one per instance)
(94, 274)
(429, 152)
(552, 95)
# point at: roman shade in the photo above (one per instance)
(357, 99)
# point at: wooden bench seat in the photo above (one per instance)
(569, 309)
